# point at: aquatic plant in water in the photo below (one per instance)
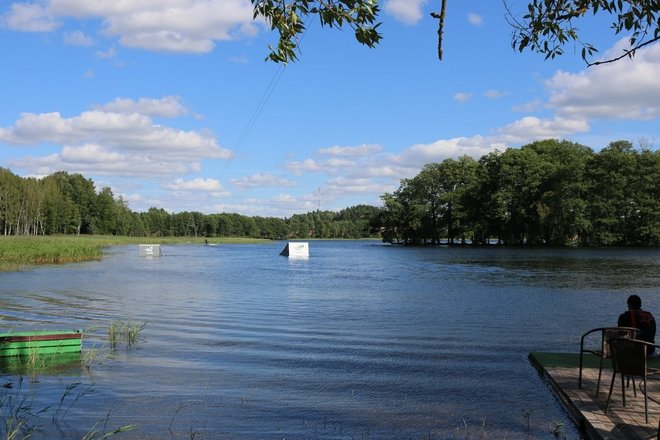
(124, 331)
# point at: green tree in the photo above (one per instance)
(62, 213)
(456, 177)
(31, 211)
(288, 18)
(561, 207)
(610, 177)
(362, 216)
(549, 24)
(546, 26)
(105, 213)
(157, 222)
(428, 196)
(647, 198)
(124, 223)
(390, 219)
(485, 202)
(408, 213)
(11, 187)
(81, 193)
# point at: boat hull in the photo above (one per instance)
(40, 343)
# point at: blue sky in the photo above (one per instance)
(171, 104)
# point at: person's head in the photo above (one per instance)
(634, 302)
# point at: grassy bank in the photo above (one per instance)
(17, 252)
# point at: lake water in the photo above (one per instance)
(359, 341)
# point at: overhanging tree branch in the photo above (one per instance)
(627, 53)
(548, 25)
(545, 27)
(441, 26)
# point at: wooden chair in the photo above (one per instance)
(629, 360)
(602, 348)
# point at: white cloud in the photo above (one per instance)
(528, 107)
(360, 150)
(307, 165)
(338, 163)
(107, 54)
(262, 180)
(210, 186)
(415, 157)
(125, 141)
(90, 153)
(475, 19)
(462, 97)
(343, 185)
(280, 205)
(131, 132)
(167, 106)
(532, 128)
(242, 59)
(285, 198)
(381, 171)
(167, 41)
(78, 38)
(133, 198)
(29, 17)
(354, 172)
(627, 89)
(75, 161)
(162, 25)
(494, 94)
(351, 161)
(406, 11)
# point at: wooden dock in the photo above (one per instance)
(560, 370)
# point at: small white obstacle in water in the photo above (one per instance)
(150, 250)
(296, 250)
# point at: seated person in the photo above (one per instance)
(641, 319)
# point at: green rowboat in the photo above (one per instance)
(40, 342)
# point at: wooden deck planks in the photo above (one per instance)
(560, 370)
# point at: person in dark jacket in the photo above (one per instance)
(641, 319)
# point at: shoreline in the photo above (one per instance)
(20, 252)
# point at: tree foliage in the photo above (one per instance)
(289, 19)
(549, 192)
(64, 203)
(549, 25)
(545, 27)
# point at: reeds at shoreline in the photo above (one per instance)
(17, 252)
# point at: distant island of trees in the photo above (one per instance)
(549, 192)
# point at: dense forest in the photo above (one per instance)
(545, 193)
(64, 203)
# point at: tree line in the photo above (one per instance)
(545, 193)
(548, 192)
(64, 203)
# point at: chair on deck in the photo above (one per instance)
(629, 359)
(602, 349)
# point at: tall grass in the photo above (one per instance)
(124, 331)
(22, 420)
(16, 252)
(20, 251)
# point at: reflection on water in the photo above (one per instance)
(67, 364)
(360, 340)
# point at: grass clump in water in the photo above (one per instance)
(127, 332)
